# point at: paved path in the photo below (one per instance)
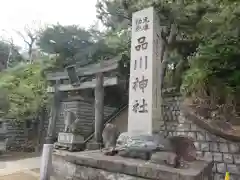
(26, 175)
(10, 167)
(20, 167)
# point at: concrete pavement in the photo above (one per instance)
(20, 167)
(10, 167)
(25, 175)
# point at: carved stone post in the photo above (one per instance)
(54, 114)
(99, 107)
(46, 161)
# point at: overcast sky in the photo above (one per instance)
(15, 14)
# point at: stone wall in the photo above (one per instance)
(225, 154)
(17, 134)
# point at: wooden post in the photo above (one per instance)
(99, 107)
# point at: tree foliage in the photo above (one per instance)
(200, 40)
(72, 44)
(9, 54)
(214, 70)
(23, 91)
(178, 32)
(58, 39)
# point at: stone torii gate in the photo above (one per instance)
(95, 76)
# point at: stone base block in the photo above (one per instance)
(94, 146)
(94, 165)
(70, 146)
(70, 138)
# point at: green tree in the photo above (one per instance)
(71, 43)
(201, 42)
(23, 90)
(178, 27)
(9, 54)
(214, 68)
(4, 54)
(75, 45)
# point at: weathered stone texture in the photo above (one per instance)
(225, 154)
(17, 134)
(94, 165)
(228, 158)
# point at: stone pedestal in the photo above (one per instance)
(94, 165)
(70, 141)
(69, 138)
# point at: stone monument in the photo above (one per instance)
(70, 138)
(144, 115)
(143, 141)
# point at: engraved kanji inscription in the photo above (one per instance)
(141, 63)
(143, 107)
(135, 84)
(142, 24)
(140, 106)
(143, 84)
(135, 106)
(135, 64)
(138, 23)
(142, 44)
(146, 62)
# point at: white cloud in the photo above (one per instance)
(15, 14)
